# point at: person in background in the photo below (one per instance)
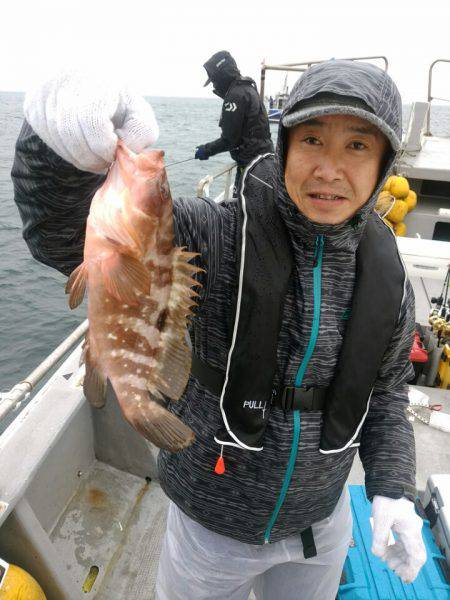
(295, 367)
(244, 122)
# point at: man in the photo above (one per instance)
(301, 342)
(244, 123)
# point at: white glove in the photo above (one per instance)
(80, 116)
(407, 555)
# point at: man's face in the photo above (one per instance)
(332, 166)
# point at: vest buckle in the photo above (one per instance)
(287, 398)
(305, 399)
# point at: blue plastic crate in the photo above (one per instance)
(366, 577)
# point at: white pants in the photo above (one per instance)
(197, 564)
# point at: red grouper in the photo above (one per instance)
(140, 290)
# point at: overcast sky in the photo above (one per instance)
(159, 46)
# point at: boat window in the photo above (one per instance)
(441, 231)
(435, 188)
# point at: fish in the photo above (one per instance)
(140, 290)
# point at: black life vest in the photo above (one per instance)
(265, 263)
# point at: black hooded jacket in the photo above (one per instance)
(244, 122)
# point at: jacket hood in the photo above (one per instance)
(341, 87)
(222, 70)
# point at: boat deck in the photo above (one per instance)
(83, 494)
(430, 163)
(116, 521)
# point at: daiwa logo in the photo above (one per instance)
(230, 106)
(220, 62)
(255, 405)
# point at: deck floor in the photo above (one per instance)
(115, 522)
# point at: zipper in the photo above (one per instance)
(317, 250)
(317, 290)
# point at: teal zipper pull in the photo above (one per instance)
(318, 250)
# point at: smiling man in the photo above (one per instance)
(301, 341)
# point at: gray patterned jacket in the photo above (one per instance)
(53, 198)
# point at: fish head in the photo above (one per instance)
(145, 178)
(140, 182)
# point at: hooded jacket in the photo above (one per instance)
(244, 121)
(254, 501)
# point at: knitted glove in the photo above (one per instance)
(201, 152)
(407, 555)
(81, 117)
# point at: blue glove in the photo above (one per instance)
(201, 153)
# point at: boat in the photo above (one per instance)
(276, 105)
(81, 508)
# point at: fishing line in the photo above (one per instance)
(178, 162)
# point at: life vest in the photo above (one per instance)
(264, 266)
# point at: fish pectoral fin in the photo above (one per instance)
(125, 277)
(94, 384)
(76, 285)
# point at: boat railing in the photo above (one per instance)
(430, 96)
(204, 185)
(302, 66)
(10, 400)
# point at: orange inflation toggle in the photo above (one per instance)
(219, 469)
(220, 466)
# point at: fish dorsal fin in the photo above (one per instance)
(174, 360)
(157, 424)
(125, 277)
(76, 285)
(174, 366)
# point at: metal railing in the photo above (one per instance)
(302, 66)
(430, 97)
(204, 185)
(10, 400)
